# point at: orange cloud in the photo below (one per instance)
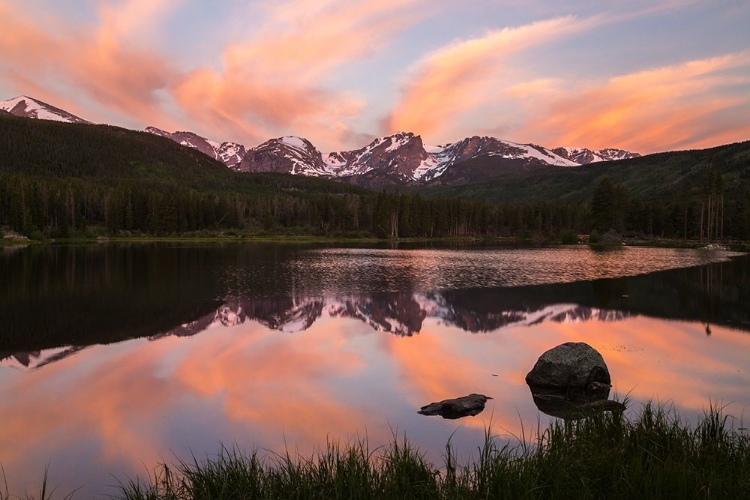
(276, 79)
(48, 410)
(251, 366)
(273, 82)
(104, 63)
(672, 107)
(461, 77)
(305, 40)
(239, 104)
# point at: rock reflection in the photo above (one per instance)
(559, 406)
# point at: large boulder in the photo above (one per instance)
(570, 368)
(470, 405)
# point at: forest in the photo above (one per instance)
(72, 181)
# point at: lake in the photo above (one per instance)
(116, 357)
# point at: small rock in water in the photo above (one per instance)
(470, 405)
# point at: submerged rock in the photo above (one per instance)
(470, 405)
(571, 368)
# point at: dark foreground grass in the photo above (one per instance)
(654, 455)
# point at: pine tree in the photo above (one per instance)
(603, 206)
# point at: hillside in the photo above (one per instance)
(61, 180)
(647, 177)
(111, 154)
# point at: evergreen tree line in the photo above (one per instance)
(67, 207)
(701, 211)
(59, 208)
(63, 180)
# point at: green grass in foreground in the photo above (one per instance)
(654, 455)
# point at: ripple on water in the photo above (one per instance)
(389, 270)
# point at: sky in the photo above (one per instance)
(645, 76)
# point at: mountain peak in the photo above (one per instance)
(229, 153)
(288, 154)
(584, 156)
(29, 107)
(296, 142)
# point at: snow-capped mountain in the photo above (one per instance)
(33, 108)
(229, 153)
(291, 155)
(397, 159)
(584, 156)
(401, 157)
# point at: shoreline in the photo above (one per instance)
(506, 241)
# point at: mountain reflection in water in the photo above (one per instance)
(88, 296)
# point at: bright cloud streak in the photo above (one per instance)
(459, 77)
(670, 107)
(102, 63)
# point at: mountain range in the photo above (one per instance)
(395, 160)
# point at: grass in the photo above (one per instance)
(654, 455)
(44, 492)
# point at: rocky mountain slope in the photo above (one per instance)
(289, 155)
(229, 153)
(33, 108)
(401, 158)
(584, 156)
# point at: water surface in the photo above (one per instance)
(117, 357)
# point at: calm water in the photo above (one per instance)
(114, 358)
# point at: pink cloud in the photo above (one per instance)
(276, 79)
(671, 107)
(101, 63)
(460, 77)
(271, 83)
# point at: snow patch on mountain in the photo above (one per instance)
(585, 156)
(28, 107)
(229, 153)
(295, 142)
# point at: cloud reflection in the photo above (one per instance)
(136, 401)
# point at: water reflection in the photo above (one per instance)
(274, 368)
(181, 302)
